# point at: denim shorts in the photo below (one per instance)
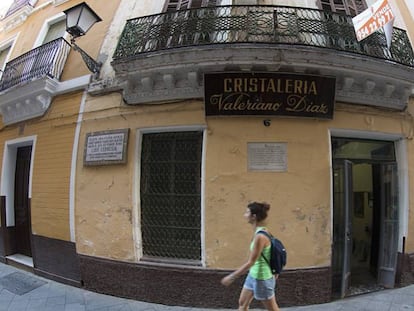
(262, 289)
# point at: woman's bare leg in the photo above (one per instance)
(246, 297)
(271, 304)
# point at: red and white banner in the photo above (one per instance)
(375, 17)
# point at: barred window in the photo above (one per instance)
(349, 7)
(171, 195)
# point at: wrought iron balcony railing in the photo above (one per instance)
(256, 24)
(46, 60)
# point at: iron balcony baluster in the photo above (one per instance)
(257, 25)
(44, 61)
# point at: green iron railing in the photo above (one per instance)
(256, 24)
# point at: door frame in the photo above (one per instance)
(343, 240)
(8, 173)
(400, 146)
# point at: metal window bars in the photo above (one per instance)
(171, 196)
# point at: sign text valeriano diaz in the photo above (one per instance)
(269, 93)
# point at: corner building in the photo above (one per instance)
(203, 106)
(226, 102)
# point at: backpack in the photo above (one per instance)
(278, 254)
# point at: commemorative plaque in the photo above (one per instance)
(107, 147)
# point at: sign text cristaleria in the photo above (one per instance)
(266, 93)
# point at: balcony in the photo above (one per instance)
(256, 24)
(163, 56)
(30, 81)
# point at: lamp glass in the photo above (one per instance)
(72, 19)
(86, 20)
(79, 19)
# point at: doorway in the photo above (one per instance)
(21, 202)
(365, 216)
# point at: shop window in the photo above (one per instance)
(348, 7)
(171, 196)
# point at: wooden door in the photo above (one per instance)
(21, 201)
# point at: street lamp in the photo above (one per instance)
(79, 19)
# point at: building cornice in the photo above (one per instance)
(177, 74)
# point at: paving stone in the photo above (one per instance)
(20, 283)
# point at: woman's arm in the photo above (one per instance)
(260, 241)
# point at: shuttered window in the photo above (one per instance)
(3, 56)
(175, 5)
(348, 7)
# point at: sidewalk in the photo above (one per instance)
(24, 291)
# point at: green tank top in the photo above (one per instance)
(261, 270)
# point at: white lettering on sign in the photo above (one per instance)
(372, 19)
(106, 147)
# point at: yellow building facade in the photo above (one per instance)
(42, 89)
(201, 108)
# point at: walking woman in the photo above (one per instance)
(260, 282)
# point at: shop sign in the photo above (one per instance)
(267, 93)
(107, 147)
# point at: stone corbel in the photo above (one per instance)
(348, 83)
(389, 90)
(192, 77)
(169, 81)
(147, 84)
(369, 87)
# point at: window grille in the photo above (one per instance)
(171, 195)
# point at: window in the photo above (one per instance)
(171, 195)
(53, 28)
(178, 26)
(4, 53)
(348, 7)
(55, 31)
(4, 56)
(175, 5)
